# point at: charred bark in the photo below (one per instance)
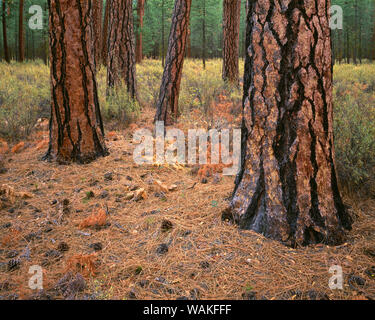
(97, 26)
(121, 47)
(287, 188)
(76, 127)
(231, 43)
(5, 37)
(139, 41)
(167, 106)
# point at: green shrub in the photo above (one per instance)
(24, 98)
(354, 127)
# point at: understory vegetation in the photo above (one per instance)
(25, 98)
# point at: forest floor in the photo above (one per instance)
(162, 245)
(113, 230)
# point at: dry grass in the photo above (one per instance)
(206, 258)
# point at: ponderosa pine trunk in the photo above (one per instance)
(76, 127)
(121, 46)
(287, 187)
(167, 106)
(97, 26)
(231, 43)
(105, 33)
(5, 37)
(139, 41)
(21, 33)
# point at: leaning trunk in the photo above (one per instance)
(287, 187)
(121, 47)
(76, 128)
(167, 106)
(231, 31)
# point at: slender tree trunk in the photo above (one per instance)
(167, 106)
(340, 51)
(105, 33)
(97, 25)
(140, 14)
(347, 47)
(287, 188)
(204, 40)
(163, 33)
(360, 42)
(355, 45)
(46, 44)
(16, 51)
(231, 32)
(121, 46)
(5, 38)
(188, 43)
(21, 34)
(76, 127)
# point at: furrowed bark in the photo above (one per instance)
(97, 26)
(231, 43)
(167, 106)
(287, 188)
(76, 127)
(121, 47)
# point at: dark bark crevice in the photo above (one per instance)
(287, 186)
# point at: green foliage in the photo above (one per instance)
(24, 98)
(118, 109)
(354, 114)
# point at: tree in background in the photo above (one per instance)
(5, 38)
(76, 127)
(167, 105)
(21, 33)
(121, 47)
(105, 33)
(287, 188)
(139, 41)
(231, 46)
(97, 29)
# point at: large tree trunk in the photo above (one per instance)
(167, 106)
(140, 14)
(105, 33)
(231, 45)
(76, 128)
(287, 188)
(97, 25)
(121, 47)
(21, 34)
(5, 38)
